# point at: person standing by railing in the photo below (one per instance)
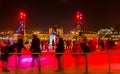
(4, 57)
(19, 47)
(1, 44)
(53, 44)
(35, 48)
(59, 51)
(84, 46)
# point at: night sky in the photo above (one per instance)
(42, 14)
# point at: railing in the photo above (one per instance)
(85, 62)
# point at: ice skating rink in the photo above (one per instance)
(97, 62)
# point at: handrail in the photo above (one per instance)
(68, 53)
(85, 54)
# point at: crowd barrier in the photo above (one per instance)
(86, 64)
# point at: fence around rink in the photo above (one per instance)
(108, 56)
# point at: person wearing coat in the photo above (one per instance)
(59, 52)
(35, 48)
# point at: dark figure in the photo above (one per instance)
(101, 44)
(26, 42)
(76, 49)
(42, 45)
(19, 46)
(35, 48)
(54, 30)
(11, 48)
(108, 44)
(85, 47)
(4, 57)
(112, 44)
(59, 49)
(53, 43)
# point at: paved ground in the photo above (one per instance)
(72, 64)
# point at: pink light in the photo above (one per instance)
(80, 14)
(26, 60)
(42, 58)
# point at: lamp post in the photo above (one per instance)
(79, 18)
(23, 19)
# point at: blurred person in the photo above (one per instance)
(1, 44)
(35, 48)
(93, 44)
(112, 44)
(42, 45)
(19, 47)
(4, 57)
(118, 44)
(53, 44)
(76, 49)
(69, 44)
(84, 46)
(59, 51)
(101, 44)
(46, 46)
(26, 42)
(12, 48)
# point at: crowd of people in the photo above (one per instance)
(37, 46)
(17, 47)
(84, 45)
(7, 49)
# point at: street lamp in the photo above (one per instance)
(23, 19)
(79, 18)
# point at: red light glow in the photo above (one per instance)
(78, 16)
(21, 17)
(24, 15)
(21, 13)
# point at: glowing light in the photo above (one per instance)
(21, 13)
(38, 32)
(79, 16)
(76, 32)
(35, 33)
(27, 60)
(72, 32)
(21, 16)
(43, 59)
(24, 15)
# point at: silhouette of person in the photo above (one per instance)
(19, 46)
(53, 43)
(54, 30)
(35, 48)
(59, 50)
(4, 57)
